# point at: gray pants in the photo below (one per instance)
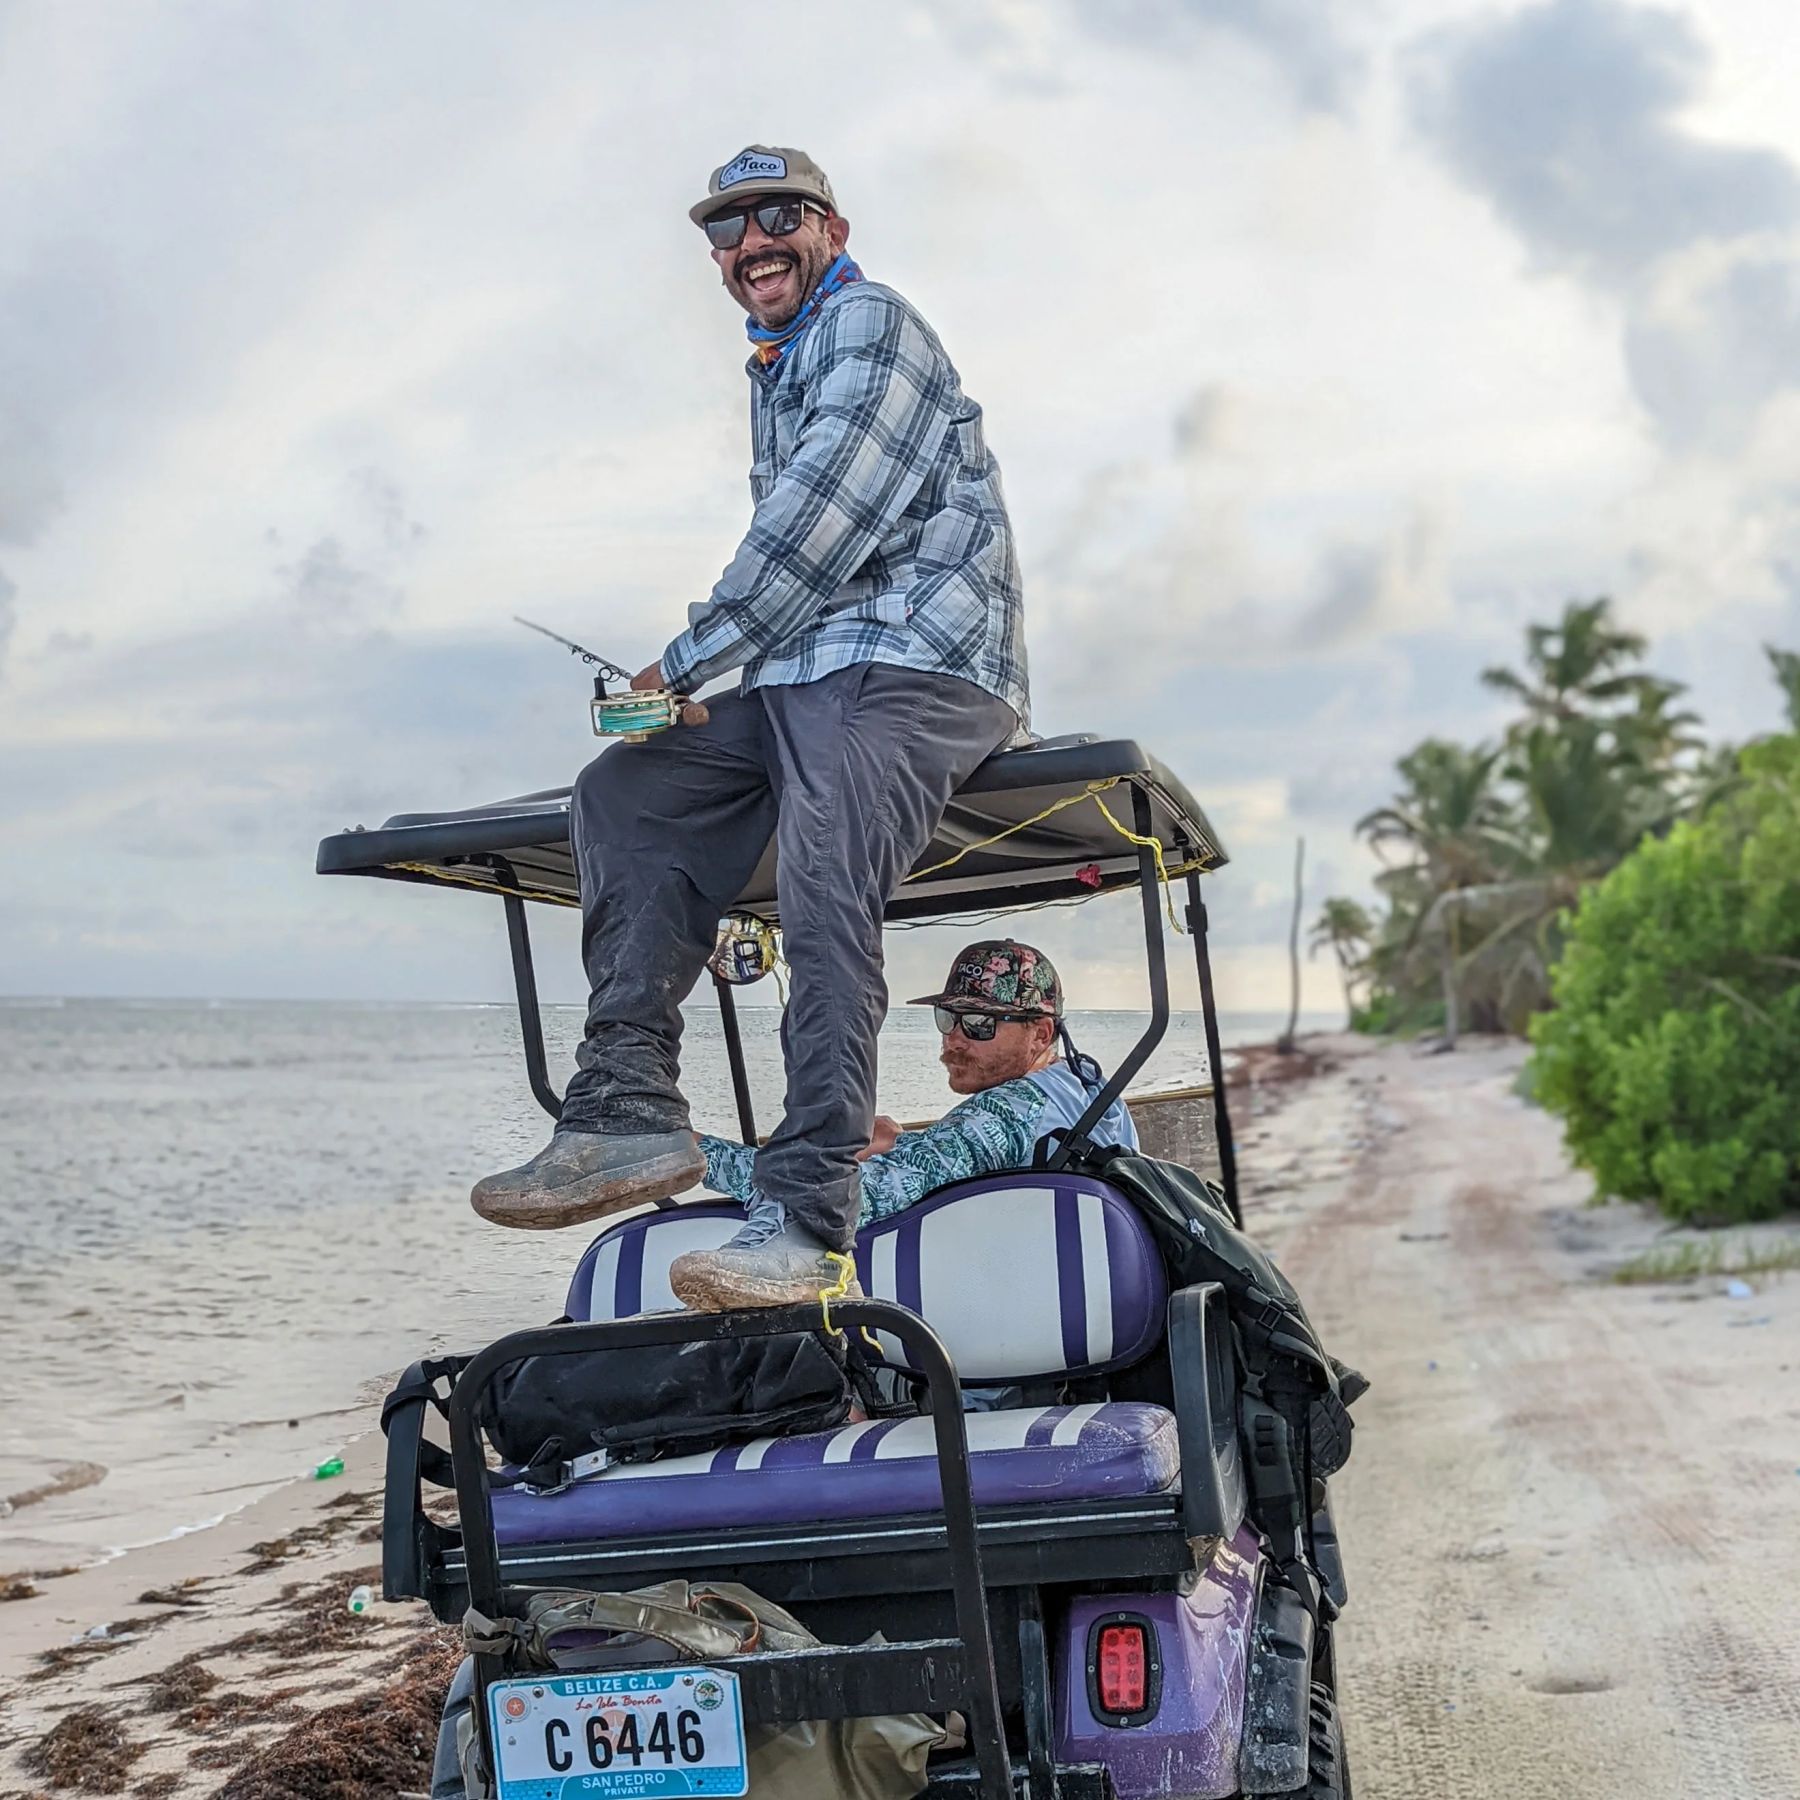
(850, 774)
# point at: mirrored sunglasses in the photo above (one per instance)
(779, 218)
(978, 1027)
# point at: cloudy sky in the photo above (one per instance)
(1320, 357)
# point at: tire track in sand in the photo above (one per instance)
(1565, 1518)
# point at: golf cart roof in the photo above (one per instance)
(1050, 801)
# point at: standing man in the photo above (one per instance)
(874, 610)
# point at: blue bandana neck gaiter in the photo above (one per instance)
(770, 344)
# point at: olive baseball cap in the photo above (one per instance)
(761, 169)
(999, 975)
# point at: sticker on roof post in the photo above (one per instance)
(751, 167)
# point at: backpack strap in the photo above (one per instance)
(1281, 1488)
(1061, 1148)
(420, 1385)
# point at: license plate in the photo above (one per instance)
(632, 1731)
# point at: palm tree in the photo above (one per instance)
(1576, 665)
(1447, 814)
(1584, 804)
(1786, 664)
(1652, 734)
(1459, 833)
(1344, 926)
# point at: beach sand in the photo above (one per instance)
(1557, 1521)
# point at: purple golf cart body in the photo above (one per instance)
(1081, 1573)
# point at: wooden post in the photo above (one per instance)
(1285, 1043)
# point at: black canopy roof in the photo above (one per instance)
(1047, 800)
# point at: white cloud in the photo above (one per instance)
(329, 341)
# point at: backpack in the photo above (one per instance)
(557, 1417)
(1294, 1421)
(554, 1419)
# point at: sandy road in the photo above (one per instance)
(1573, 1518)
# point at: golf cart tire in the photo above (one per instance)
(448, 1768)
(1328, 1772)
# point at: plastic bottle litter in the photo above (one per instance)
(332, 1465)
(1739, 1290)
(361, 1599)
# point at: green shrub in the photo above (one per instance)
(1673, 1055)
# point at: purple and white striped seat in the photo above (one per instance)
(625, 1270)
(1025, 1278)
(1111, 1450)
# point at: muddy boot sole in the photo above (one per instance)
(587, 1198)
(702, 1283)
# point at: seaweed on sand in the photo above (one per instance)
(180, 1686)
(177, 1593)
(341, 1515)
(22, 1584)
(313, 1618)
(85, 1750)
(369, 1748)
(60, 1658)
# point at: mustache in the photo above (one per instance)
(747, 257)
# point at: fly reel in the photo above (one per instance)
(745, 949)
(634, 716)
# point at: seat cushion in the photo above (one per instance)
(625, 1270)
(883, 1469)
(1023, 1276)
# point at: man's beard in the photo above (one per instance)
(811, 265)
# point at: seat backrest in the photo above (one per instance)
(625, 1270)
(1024, 1277)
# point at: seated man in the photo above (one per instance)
(1006, 1047)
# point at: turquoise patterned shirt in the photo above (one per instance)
(995, 1129)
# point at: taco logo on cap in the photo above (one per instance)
(752, 167)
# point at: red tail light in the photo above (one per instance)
(1122, 1672)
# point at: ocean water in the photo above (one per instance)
(223, 1226)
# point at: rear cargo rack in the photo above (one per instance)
(840, 1682)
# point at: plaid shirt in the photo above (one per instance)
(880, 533)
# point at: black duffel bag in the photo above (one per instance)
(557, 1417)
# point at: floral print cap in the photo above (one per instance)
(999, 975)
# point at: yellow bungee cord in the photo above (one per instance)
(1092, 791)
(839, 1289)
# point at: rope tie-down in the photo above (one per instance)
(1092, 791)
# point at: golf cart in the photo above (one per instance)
(1125, 1592)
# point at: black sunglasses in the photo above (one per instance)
(978, 1027)
(779, 218)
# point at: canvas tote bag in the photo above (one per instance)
(816, 1759)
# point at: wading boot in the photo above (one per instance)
(583, 1175)
(773, 1261)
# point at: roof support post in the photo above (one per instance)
(531, 1021)
(734, 1055)
(1150, 888)
(1215, 1059)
